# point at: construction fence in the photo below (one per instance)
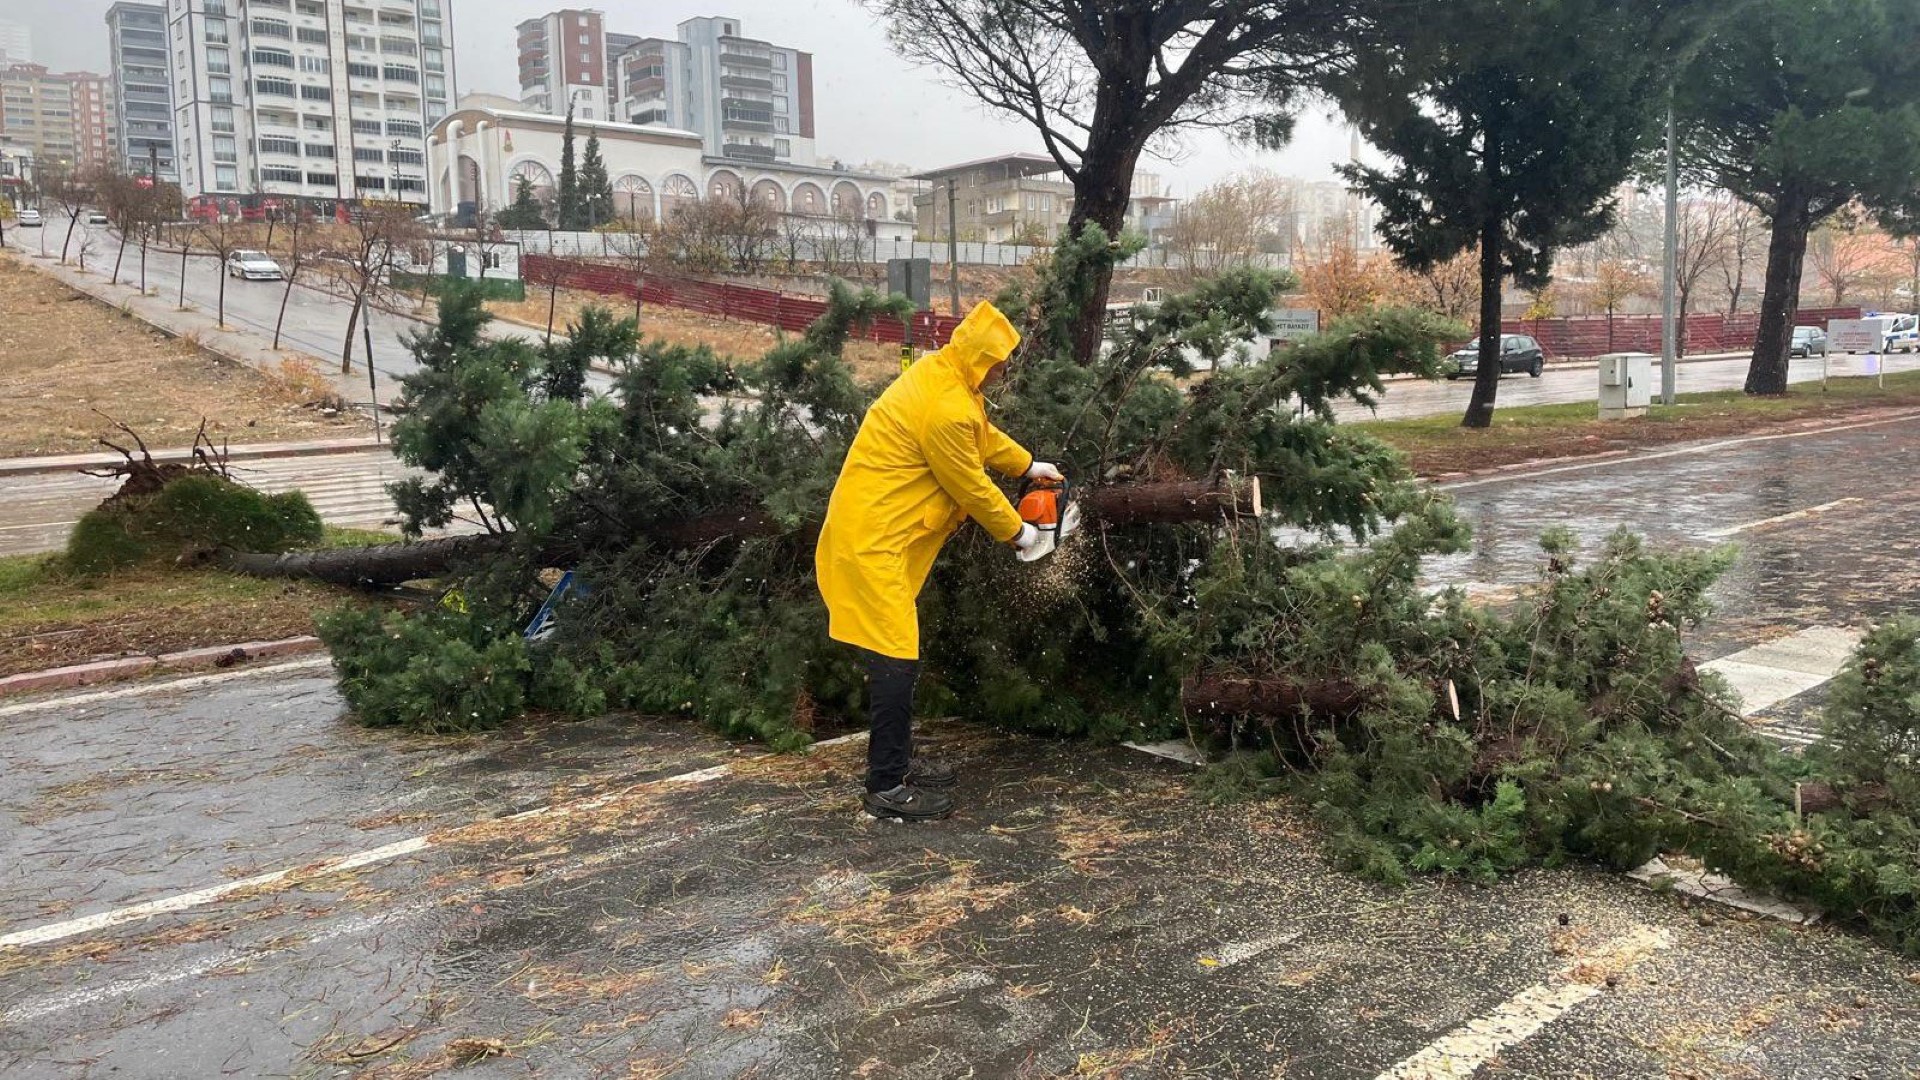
(874, 250)
(791, 313)
(1598, 335)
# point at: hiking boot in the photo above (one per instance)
(931, 773)
(908, 803)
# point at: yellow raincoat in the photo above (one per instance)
(914, 473)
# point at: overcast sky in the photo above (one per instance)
(869, 104)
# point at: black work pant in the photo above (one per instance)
(890, 709)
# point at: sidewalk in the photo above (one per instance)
(58, 463)
(1591, 364)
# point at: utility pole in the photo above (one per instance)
(373, 388)
(1669, 327)
(953, 242)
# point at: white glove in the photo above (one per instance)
(1025, 538)
(1044, 470)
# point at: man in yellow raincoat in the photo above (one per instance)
(916, 471)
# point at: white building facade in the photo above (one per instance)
(321, 103)
(477, 154)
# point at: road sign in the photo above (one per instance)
(1857, 335)
(1293, 324)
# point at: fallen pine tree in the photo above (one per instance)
(1427, 734)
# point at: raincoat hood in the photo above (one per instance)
(984, 338)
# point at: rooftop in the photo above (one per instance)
(1023, 163)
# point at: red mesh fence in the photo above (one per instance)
(791, 313)
(1597, 335)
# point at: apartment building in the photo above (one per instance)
(317, 102)
(63, 118)
(16, 43)
(142, 87)
(748, 100)
(567, 58)
(1020, 198)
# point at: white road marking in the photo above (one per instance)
(87, 924)
(1797, 515)
(143, 689)
(1768, 674)
(38, 525)
(74, 999)
(1458, 1054)
(1685, 451)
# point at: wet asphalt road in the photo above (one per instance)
(1085, 914)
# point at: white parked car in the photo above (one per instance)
(95, 217)
(254, 266)
(29, 218)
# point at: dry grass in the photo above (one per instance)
(64, 360)
(731, 338)
(48, 619)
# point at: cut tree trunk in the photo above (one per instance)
(1780, 300)
(1212, 695)
(1120, 505)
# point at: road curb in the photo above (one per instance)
(1442, 481)
(28, 466)
(216, 656)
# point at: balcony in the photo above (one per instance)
(747, 152)
(762, 83)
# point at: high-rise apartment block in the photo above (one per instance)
(64, 118)
(567, 60)
(16, 43)
(319, 101)
(142, 87)
(748, 100)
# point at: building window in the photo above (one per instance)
(220, 88)
(224, 148)
(222, 119)
(319, 123)
(363, 71)
(274, 58)
(782, 148)
(216, 32)
(226, 178)
(780, 123)
(277, 87)
(403, 128)
(315, 65)
(779, 103)
(217, 62)
(401, 74)
(271, 28)
(367, 127)
(367, 153)
(780, 61)
(276, 144)
(434, 60)
(403, 157)
(323, 179)
(279, 174)
(373, 183)
(316, 150)
(583, 39)
(316, 93)
(779, 82)
(310, 35)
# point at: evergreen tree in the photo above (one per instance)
(596, 190)
(1511, 123)
(1808, 107)
(525, 212)
(570, 211)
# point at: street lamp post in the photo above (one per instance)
(1669, 310)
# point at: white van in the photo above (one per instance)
(1902, 330)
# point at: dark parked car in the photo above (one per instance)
(1808, 341)
(1518, 353)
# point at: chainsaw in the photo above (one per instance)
(1048, 506)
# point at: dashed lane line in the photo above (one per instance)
(1797, 515)
(1461, 1052)
(41, 935)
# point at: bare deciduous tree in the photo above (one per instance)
(1101, 79)
(378, 234)
(1230, 222)
(219, 237)
(1845, 254)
